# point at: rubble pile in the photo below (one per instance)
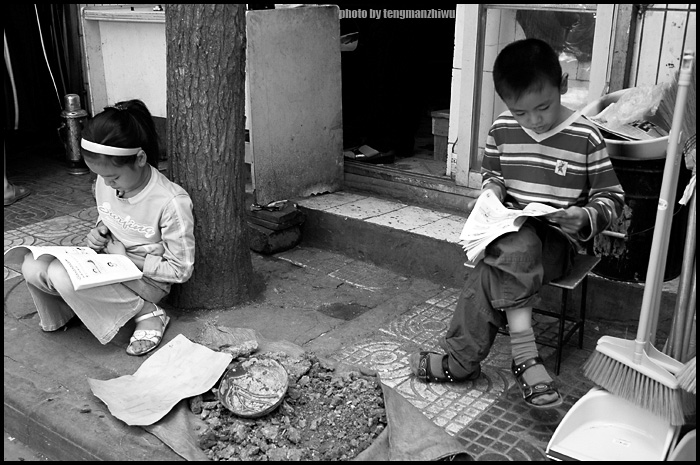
(325, 415)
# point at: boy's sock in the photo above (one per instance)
(523, 347)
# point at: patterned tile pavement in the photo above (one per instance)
(55, 191)
(487, 414)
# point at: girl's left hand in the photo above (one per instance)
(572, 220)
(115, 247)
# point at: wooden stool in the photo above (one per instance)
(578, 276)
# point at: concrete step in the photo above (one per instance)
(423, 242)
(386, 181)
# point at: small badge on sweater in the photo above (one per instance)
(560, 169)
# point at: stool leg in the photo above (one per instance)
(584, 295)
(560, 336)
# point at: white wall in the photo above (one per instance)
(125, 56)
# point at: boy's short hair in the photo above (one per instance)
(525, 65)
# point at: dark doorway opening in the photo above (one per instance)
(397, 74)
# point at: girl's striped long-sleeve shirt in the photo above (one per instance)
(566, 166)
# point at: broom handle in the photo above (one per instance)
(656, 302)
(664, 213)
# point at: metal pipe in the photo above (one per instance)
(615, 234)
(689, 325)
(685, 281)
(691, 348)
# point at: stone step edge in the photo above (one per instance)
(441, 260)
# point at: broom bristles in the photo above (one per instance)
(687, 376)
(627, 383)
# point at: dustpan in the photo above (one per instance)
(601, 426)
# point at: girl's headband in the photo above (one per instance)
(107, 149)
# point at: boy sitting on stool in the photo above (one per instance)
(537, 151)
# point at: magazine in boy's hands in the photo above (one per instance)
(85, 267)
(491, 219)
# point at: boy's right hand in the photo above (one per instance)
(472, 202)
(98, 237)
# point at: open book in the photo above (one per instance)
(491, 219)
(85, 267)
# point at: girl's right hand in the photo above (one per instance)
(98, 237)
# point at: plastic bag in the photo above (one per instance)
(633, 105)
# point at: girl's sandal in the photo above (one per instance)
(149, 335)
(18, 193)
(531, 392)
(425, 373)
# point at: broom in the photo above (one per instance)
(635, 370)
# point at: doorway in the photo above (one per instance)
(395, 75)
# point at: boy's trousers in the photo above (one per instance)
(514, 269)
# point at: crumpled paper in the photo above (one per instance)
(410, 435)
(178, 431)
(178, 370)
(152, 398)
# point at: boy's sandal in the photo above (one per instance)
(149, 335)
(531, 392)
(425, 374)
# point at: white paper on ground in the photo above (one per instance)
(178, 370)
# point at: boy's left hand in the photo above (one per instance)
(571, 220)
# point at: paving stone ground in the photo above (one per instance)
(487, 415)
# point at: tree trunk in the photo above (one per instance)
(205, 144)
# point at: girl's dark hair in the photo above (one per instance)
(127, 124)
(525, 65)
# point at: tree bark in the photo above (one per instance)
(206, 46)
